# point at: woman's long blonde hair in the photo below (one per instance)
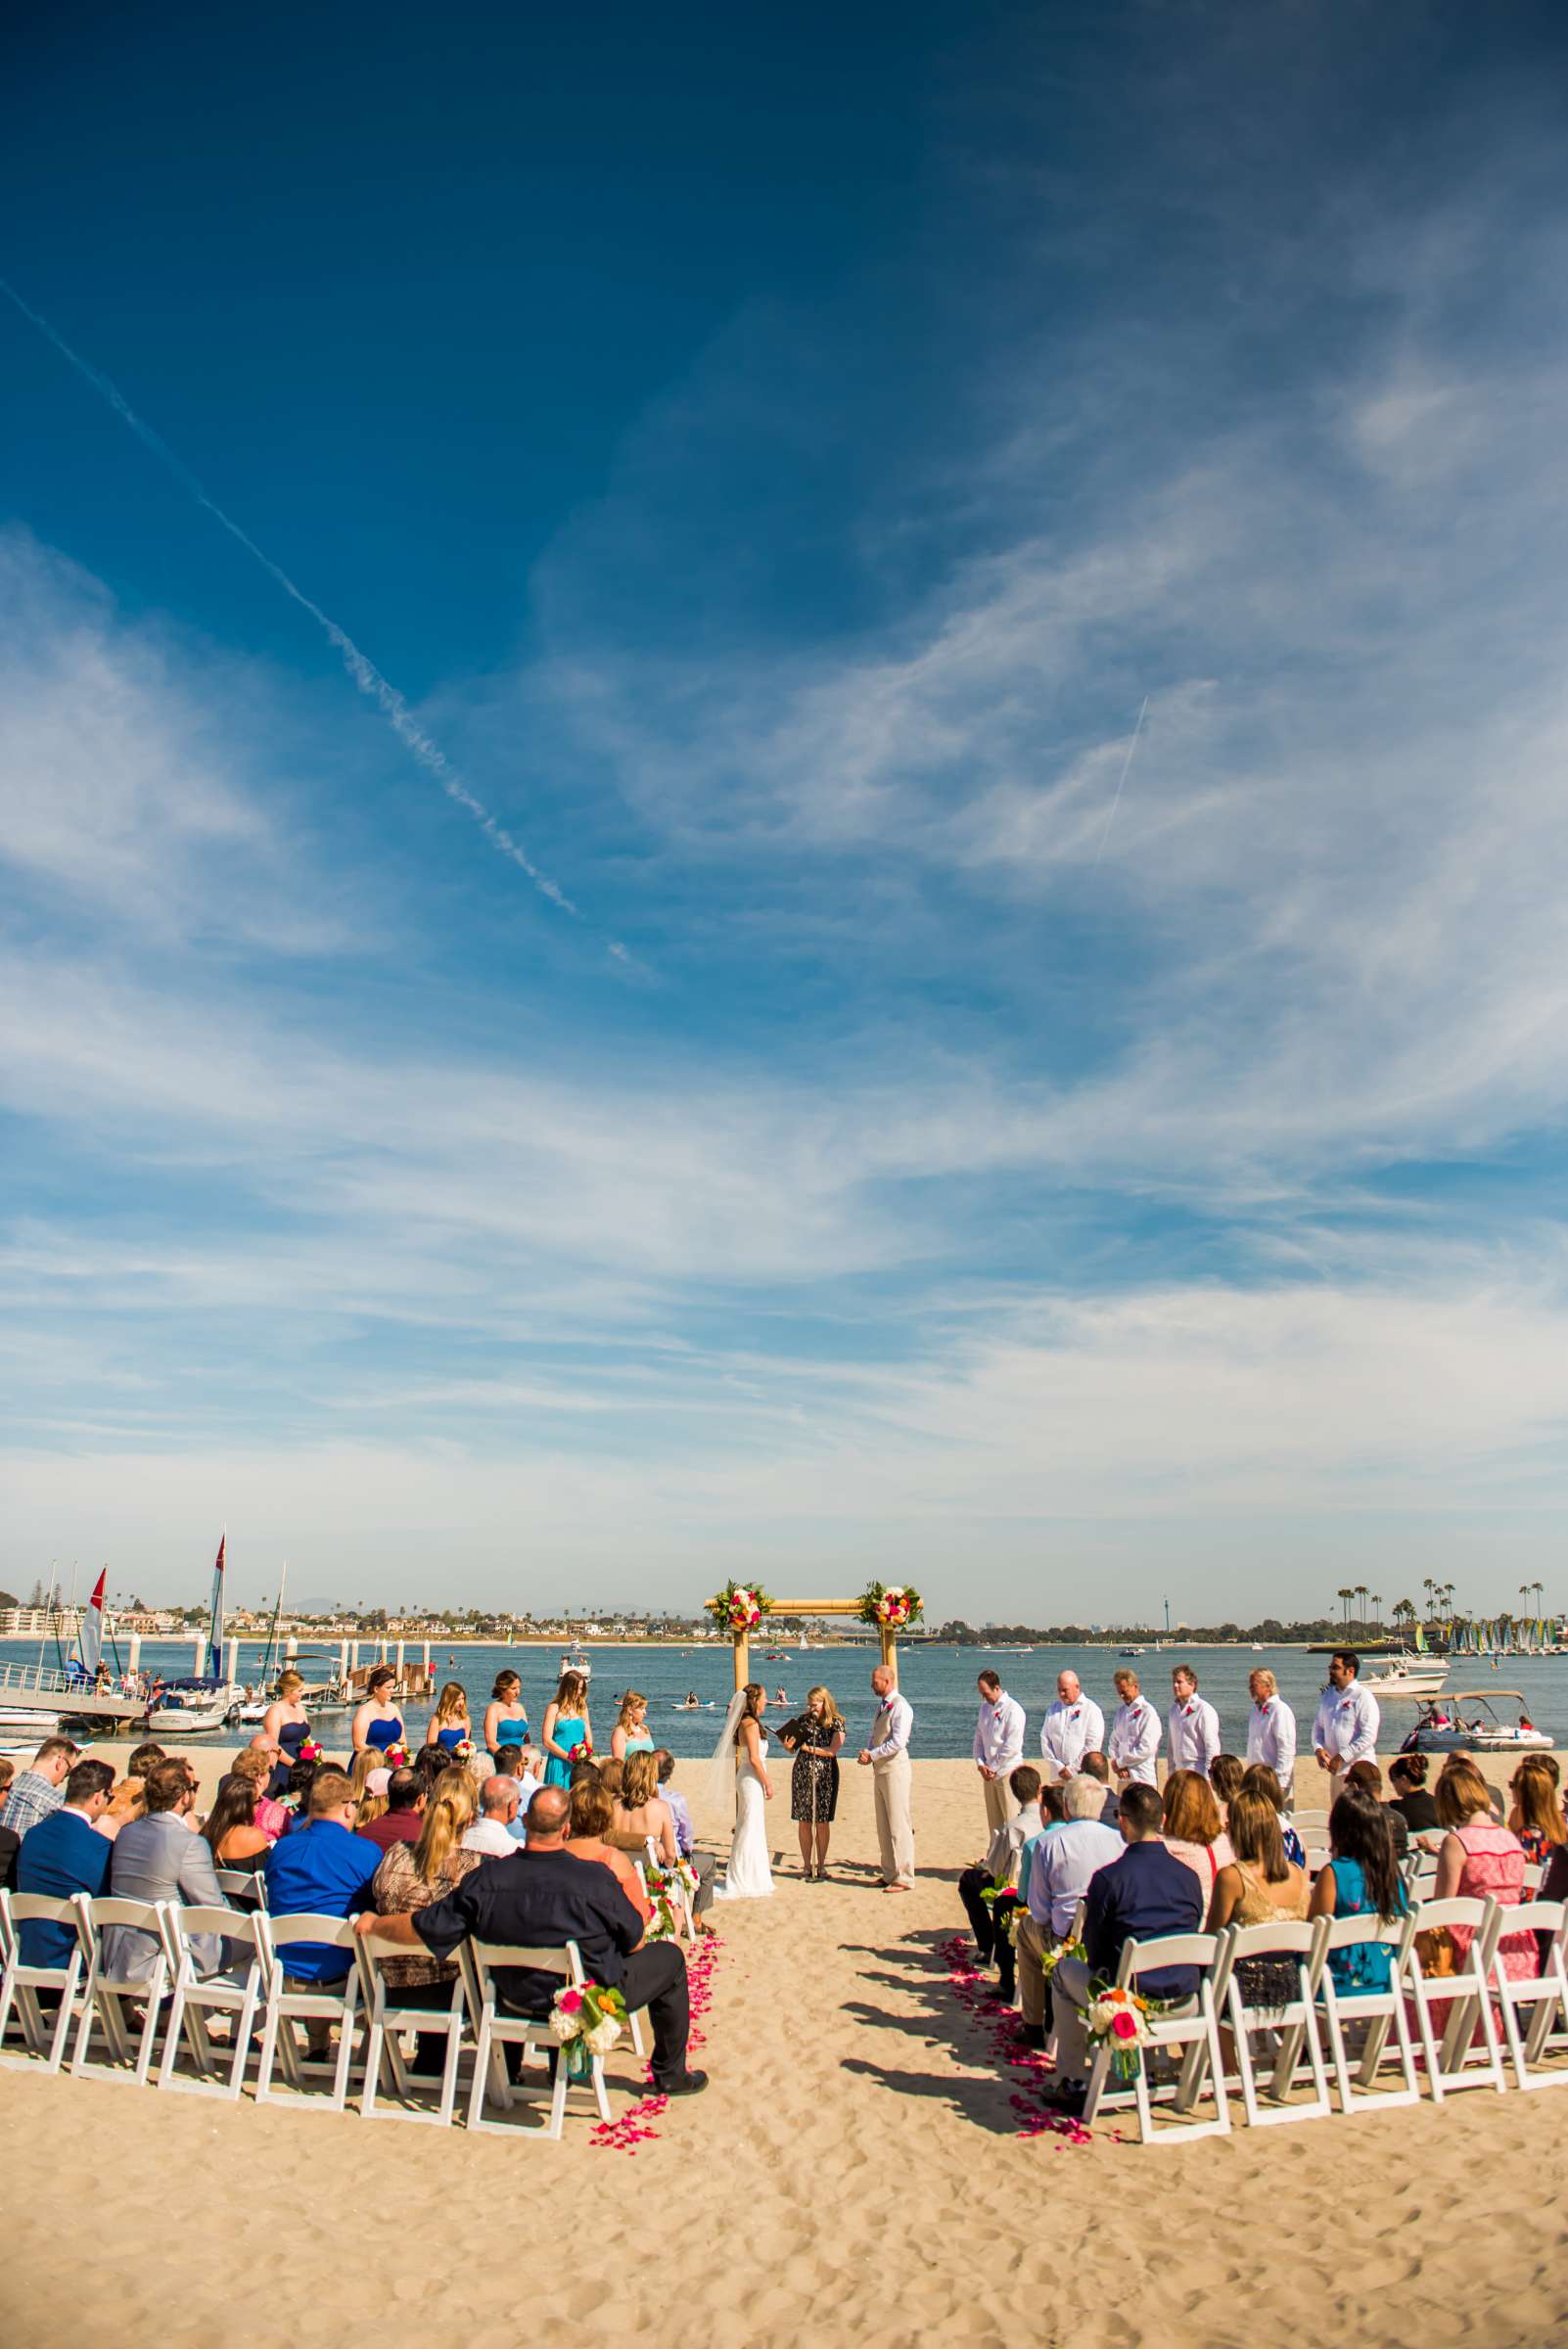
(639, 1781)
(368, 1758)
(1534, 1800)
(1461, 1792)
(573, 1694)
(452, 1704)
(820, 1701)
(632, 1702)
(446, 1822)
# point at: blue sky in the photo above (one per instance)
(776, 459)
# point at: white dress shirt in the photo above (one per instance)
(999, 1734)
(1069, 1731)
(1346, 1725)
(1006, 1845)
(892, 1729)
(1134, 1741)
(492, 1837)
(1272, 1739)
(1194, 1730)
(1064, 1862)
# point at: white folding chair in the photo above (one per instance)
(246, 1888)
(1377, 2009)
(495, 2029)
(1295, 2020)
(1461, 1995)
(106, 1995)
(385, 2018)
(22, 1982)
(1194, 2031)
(291, 2000)
(237, 1992)
(1547, 1992)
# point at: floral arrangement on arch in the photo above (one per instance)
(739, 1608)
(1120, 2020)
(586, 2021)
(892, 1606)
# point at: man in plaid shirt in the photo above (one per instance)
(38, 1791)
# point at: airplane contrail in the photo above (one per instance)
(1120, 780)
(364, 672)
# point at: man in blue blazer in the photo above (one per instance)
(64, 1854)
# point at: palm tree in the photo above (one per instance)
(1345, 1594)
(1377, 1610)
(1537, 1588)
(1403, 1610)
(1361, 1594)
(1430, 1587)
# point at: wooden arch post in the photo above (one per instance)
(815, 1606)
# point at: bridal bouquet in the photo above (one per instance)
(1005, 1907)
(586, 2021)
(1120, 2020)
(892, 1606)
(736, 1608)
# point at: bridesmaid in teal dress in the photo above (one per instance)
(567, 1729)
(630, 1735)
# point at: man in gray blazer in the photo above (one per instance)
(161, 1857)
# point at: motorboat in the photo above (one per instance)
(1129, 1651)
(193, 1709)
(1407, 1674)
(574, 1659)
(1446, 1727)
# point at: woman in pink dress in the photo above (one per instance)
(1479, 1860)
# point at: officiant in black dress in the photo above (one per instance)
(814, 1739)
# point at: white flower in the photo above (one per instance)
(602, 2038)
(564, 2026)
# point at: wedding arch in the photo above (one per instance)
(741, 1610)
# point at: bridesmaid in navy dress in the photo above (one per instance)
(449, 1725)
(378, 1721)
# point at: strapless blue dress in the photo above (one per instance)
(511, 1732)
(570, 1733)
(383, 1734)
(451, 1738)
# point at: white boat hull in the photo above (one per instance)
(1475, 1741)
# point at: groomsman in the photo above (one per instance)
(1135, 1738)
(887, 1757)
(1271, 1732)
(1347, 1719)
(1193, 1725)
(998, 1747)
(1073, 1726)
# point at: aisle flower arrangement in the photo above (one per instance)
(892, 1606)
(661, 1883)
(1119, 2018)
(586, 2020)
(739, 1608)
(1005, 1907)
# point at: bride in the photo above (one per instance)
(740, 1759)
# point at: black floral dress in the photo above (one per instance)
(814, 1779)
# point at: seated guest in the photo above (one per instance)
(372, 1804)
(512, 1762)
(325, 1869)
(367, 1764)
(8, 1770)
(1362, 1879)
(590, 1813)
(1098, 1765)
(490, 1837)
(611, 1775)
(403, 1819)
(544, 1897)
(1260, 1887)
(704, 1864)
(412, 1875)
(1260, 1777)
(254, 1767)
(143, 1756)
(1000, 1869)
(157, 1858)
(1225, 1775)
(9, 1840)
(1143, 1895)
(640, 1815)
(1479, 1860)
(1194, 1832)
(61, 1854)
(231, 1833)
(41, 1787)
(1064, 1864)
(1411, 1798)
(1536, 1817)
(297, 1803)
(1369, 1778)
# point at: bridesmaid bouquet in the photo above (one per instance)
(309, 1750)
(463, 1750)
(736, 1608)
(892, 1606)
(586, 2021)
(396, 1758)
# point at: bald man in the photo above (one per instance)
(1073, 1726)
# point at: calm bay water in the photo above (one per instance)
(940, 1683)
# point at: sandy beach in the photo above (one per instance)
(857, 2160)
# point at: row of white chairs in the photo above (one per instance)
(1465, 2022)
(65, 2006)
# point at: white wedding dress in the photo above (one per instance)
(750, 1873)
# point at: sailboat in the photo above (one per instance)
(202, 1705)
(257, 1710)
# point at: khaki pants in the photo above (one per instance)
(895, 1832)
(1002, 1804)
(1029, 1944)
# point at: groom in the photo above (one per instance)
(888, 1758)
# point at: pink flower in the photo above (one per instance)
(1124, 2024)
(570, 2001)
